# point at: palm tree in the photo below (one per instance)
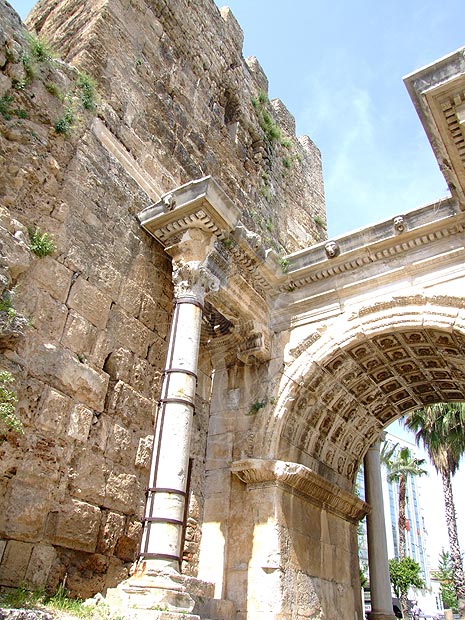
(401, 465)
(441, 429)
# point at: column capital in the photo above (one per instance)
(193, 280)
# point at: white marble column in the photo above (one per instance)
(166, 502)
(380, 585)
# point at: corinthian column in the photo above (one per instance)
(380, 585)
(166, 494)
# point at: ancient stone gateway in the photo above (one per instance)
(193, 288)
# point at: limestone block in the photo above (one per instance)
(144, 452)
(49, 316)
(64, 371)
(111, 528)
(117, 572)
(86, 574)
(14, 563)
(103, 346)
(122, 492)
(130, 297)
(100, 431)
(130, 332)
(54, 277)
(217, 480)
(157, 352)
(79, 422)
(2, 548)
(79, 334)
(39, 464)
(15, 250)
(162, 320)
(88, 479)
(219, 452)
(107, 278)
(145, 379)
(75, 525)
(149, 314)
(119, 365)
(39, 566)
(119, 447)
(25, 511)
(53, 411)
(133, 409)
(128, 544)
(90, 302)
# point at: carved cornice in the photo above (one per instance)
(438, 94)
(376, 244)
(255, 342)
(301, 479)
(198, 204)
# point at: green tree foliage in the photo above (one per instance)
(404, 574)
(445, 576)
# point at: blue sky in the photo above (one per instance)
(338, 67)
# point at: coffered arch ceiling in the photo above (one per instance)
(341, 402)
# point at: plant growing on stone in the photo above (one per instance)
(5, 106)
(64, 124)
(6, 304)
(270, 128)
(29, 71)
(287, 162)
(284, 263)
(256, 406)
(41, 244)
(39, 48)
(87, 91)
(8, 401)
(54, 90)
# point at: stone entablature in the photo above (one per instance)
(304, 481)
(438, 94)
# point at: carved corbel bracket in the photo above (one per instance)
(254, 342)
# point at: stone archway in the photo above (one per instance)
(360, 373)
(342, 386)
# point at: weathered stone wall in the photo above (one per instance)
(178, 94)
(87, 367)
(174, 96)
